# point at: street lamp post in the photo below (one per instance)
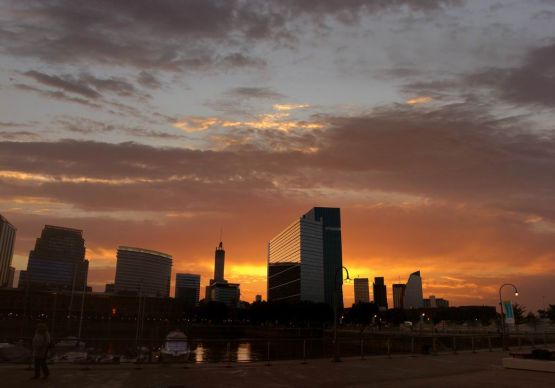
(503, 344)
(338, 272)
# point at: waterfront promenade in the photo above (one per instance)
(465, 369)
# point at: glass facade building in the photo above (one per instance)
(187, 288)
(7, 242)
(296, 263)
(414, 298)
(143, 271)
(330, 218)
(58, 260)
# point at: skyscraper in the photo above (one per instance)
(187, 288)
(219, 263)
(398, 295)
(219, 289)
(362, 291)
(305, 257)
(58, 260)
(7, 241)
(295, 263)
(143, 271)
(330, 218)
(380, 293)
(413, 292)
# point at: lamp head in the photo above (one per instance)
(516, 293)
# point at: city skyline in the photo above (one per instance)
(429, 123)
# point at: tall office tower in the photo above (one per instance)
(380, 293)
(187, 288)
(58, 260)
(330, 219)
(219, 289)
(219, 263)
(414, 298)
(362, 291)
(398, 295)
(7, 241)
(296, 263)
(142, 271)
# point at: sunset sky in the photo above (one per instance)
(156, 123)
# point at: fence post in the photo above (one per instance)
(362, 348)
(389, 348)
(268, 354)
(304, 352)
(454, 345)
(228, 355)
(434, 344)
(545, 339)
(533, 340)
(473, 346)
(412, 345)
(519, 342)
(489, 344)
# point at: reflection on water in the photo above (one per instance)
(218, 352)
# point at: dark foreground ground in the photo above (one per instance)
(450, 370)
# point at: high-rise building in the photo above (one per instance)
(7, 241)
(296, 263)
(414, 298)
(187, 288)
(11, 278)
(380, 293)
(109, 288)
(219, 289)
(398, 295)
(57, 261)
(143, 271)
(362, 290)
(433, 302)
(305, 258)
(330, 217)
(258, 298)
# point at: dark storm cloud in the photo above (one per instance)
(56, 95)
(148, 80)
(531, 83)
(254, 92)
(167, 34)
(85, 84)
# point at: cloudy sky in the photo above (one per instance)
(156, 123)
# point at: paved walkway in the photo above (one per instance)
(453, 370)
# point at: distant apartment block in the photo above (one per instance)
(380, 293)
(57, 261)
(398, 295)
(187, 288)
(7, 242)
(143, 271)
(362, 290)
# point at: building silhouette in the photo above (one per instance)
(413, 292)
(187, 288)
(433, 302)
(380, 293)
(57, 261)
(305, 257)
(362, 290)
(398, 295)
(219, 289)
(142, 272)
(7, 242)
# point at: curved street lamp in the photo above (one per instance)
(338, 271)
(502, 314)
